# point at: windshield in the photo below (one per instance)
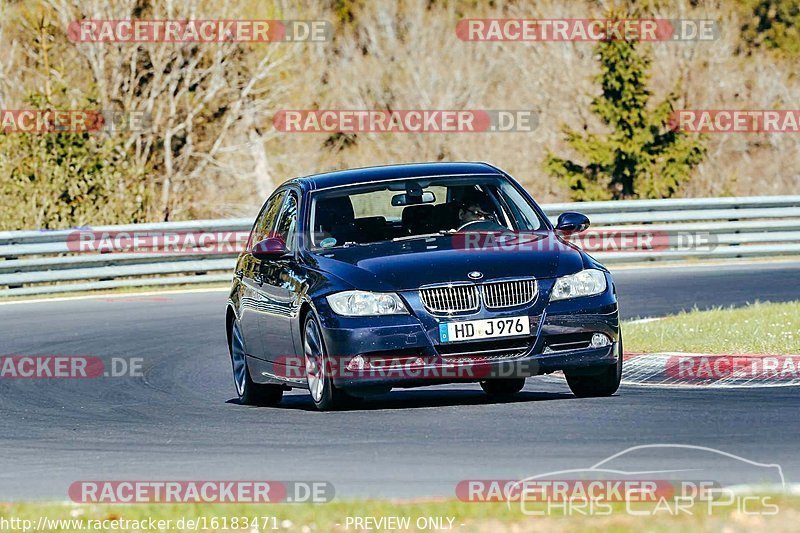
(408, 209)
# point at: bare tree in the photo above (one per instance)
(203, 102)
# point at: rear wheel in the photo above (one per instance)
(502, 388)
(605, 383)
(325, 395)
(250, 392)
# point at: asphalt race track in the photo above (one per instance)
(179, 421)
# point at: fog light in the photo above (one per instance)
(357, 363)
(599, 340)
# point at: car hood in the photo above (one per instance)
(407, 265)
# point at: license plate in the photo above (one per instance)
(484, 329)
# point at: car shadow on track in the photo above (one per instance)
(416, 399)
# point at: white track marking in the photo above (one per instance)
(115, 295)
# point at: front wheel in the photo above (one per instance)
(250, 392)
(325, 395)
(605, 383)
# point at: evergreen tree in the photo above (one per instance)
(642, 157)
(774, 25)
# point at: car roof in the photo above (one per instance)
(389, 172)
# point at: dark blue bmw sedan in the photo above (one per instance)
(358, 281)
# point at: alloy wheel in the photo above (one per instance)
(315, 361)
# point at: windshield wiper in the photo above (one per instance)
(412, 237)
(348, 244)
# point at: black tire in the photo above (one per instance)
(502, 388)
(249, 392)
(324, 394)
(605, 383)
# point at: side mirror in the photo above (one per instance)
(571, 222)
(269, 249)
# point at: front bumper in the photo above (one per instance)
(405, 351)
(586, 361)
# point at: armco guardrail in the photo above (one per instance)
(42, 262)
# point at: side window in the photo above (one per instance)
(288, 222)
(266, 220)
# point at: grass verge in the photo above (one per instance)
(479, 517)
(760, 328)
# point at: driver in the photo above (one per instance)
(472, 216)
(472, 212)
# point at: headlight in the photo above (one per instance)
(363, 303)
(585, 283)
